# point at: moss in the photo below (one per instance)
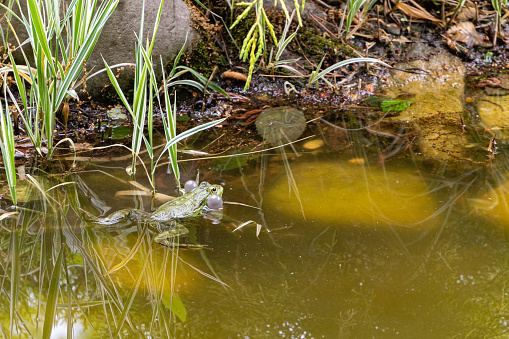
(316, 44)
(204, 57)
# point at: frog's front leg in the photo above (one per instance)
(167, 231)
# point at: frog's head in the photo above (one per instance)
(216, 189)
(204, 186)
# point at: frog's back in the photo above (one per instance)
(185, 206)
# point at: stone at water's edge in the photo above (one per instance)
(493, 113)
(438, 90)
(347, 194)
(492, 107)
(116, 43)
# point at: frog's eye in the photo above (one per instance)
(213, 189)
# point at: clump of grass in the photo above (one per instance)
(145, 87)
(254, 44)
(7, 144)
(61, 44)
(498, 5)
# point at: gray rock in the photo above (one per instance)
(117, 41)
(279, 125)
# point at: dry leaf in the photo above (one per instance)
(234, 75)
(465, 32)
(467, 13)
(416, 13)
(491, 82)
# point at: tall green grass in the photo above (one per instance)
(145, 87)
(61, 40)
(498, 5)
(254, 44)
(7, 143)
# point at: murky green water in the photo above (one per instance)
(406, 248)
(399, 250)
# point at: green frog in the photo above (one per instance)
(165, 219)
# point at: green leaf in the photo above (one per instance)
(51, 303)
(395, 105)
(175, 305)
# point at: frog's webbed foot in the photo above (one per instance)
(168, 230)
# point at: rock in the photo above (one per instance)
(493, 204)
(117, 41)
(437, 86)
(493, 113)
(280, 125)
(349, 194)
(116, 113)
(314, 144)
(501, 89)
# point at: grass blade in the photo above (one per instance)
(51, 303)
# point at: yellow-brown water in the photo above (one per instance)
(370, 250)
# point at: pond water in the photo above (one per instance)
(349, 247)
(353, 235)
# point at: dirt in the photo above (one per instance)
(89, 126)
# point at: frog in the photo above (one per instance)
(166, 218)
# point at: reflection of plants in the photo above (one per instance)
(55, 275)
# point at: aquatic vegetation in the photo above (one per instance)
(76, 275)
(144, 82)
(145, 87)
(396, 105)
(7, 146)
(60, 47)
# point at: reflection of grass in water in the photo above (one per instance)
(53, 272)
